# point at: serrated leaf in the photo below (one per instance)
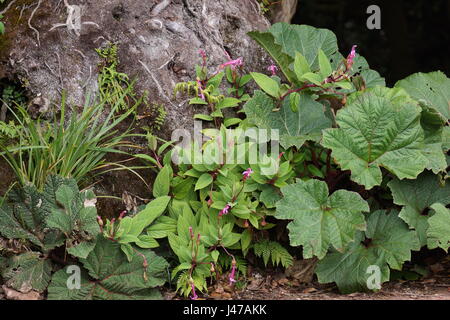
(389, 244)
(439, 231)
(304, 39)
(378, 128)
(111, 276)
(433, 87)
(416, 196)
(27, 271)
(294, 127)
(319, 220)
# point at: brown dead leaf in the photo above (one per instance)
(12, 294)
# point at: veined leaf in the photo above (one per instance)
(433, 87)
(111, 276)
(319, 220)
(416, 197)
(378, 128)
(161, 186)
(267, 84)
(205, 180)
(324, 64)
(135, 225)
(386, 243)
(27, 271)
(294, 127)
(304, 39)
(301, 66)
(267, 41)
(439, 231)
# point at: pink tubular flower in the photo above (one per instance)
(273, 68)
(232, 63)
(224, 210)
(202, 53)
(122, 214)
(233, 271)
(194, 294)
(191, 232)
(247, 173)
(200, 88)
(350, 57)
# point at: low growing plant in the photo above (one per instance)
(62, 217)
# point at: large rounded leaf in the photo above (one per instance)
(416, 197)
(379, 128)
(294, 128)
(318, 220)
(433, 87)
(386, 243)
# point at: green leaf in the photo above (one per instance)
(267, 41)
(161, 186)
(231, 122)
(112, 277)
(76, 218)
(439, 231)
(294, 101)
(319, 220)
(378, 128)
(294, 127)
(416, 197)
(205, 180)
(228, 103)
(267, 84)
(205, 117)
(274, 251)
(27, 271)
(324, 64)
(304, 39)
(197, 101)
(301, 66)
(387, 243)
(433, 87)
(312, 77)
(144, 218)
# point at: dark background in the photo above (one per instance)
(414, 35)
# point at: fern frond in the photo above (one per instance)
(274, 251)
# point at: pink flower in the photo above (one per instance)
(273, 68)
(99, 220)
(233, 271)
(202, 53)
(247, 173)
(194, 294)
(232, 63)
(200, 88)
(191, 232)
(122, 214)
(224, 210)
(350, 57)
